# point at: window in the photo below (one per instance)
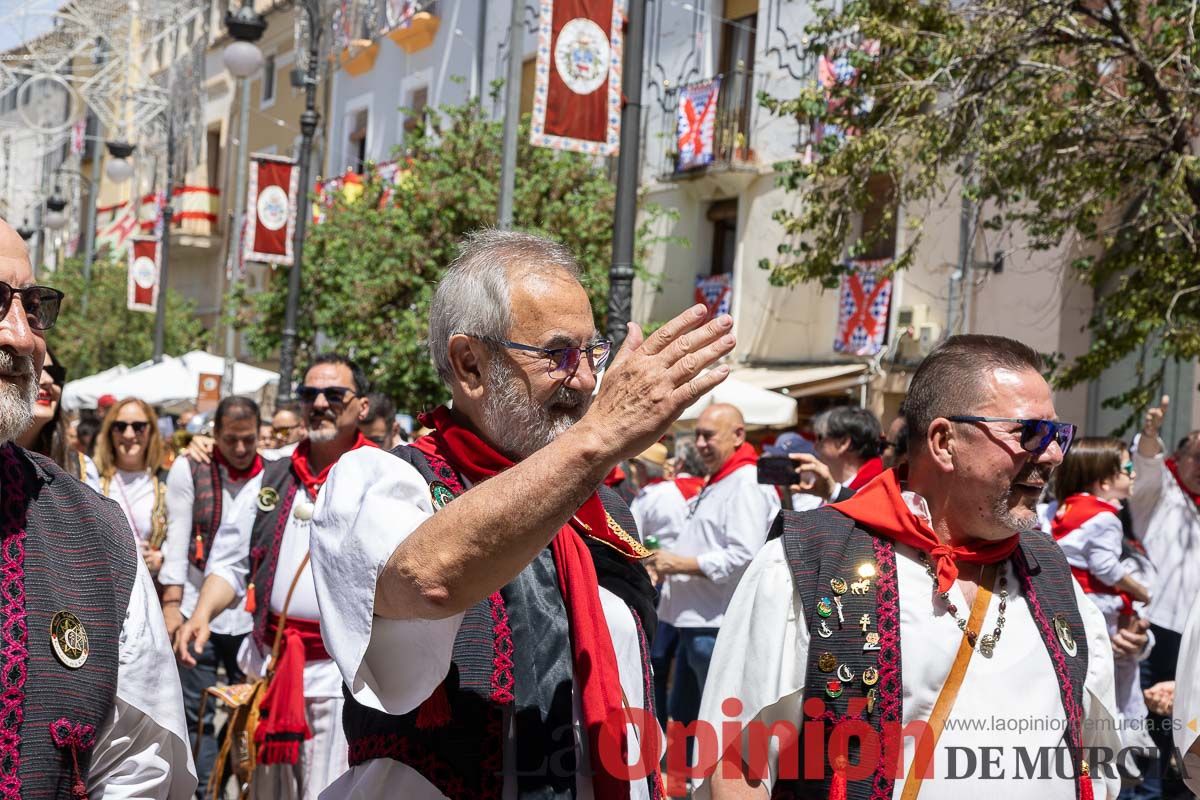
(268, 81)
(723, 216)
(213, 157)
(737, 69)
(356, 140)
(414, 116)
(879, 218)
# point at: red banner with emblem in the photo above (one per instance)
(577, 94)
(143, 274)
(271, 198)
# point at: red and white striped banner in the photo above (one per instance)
(577, 94)
(143, 274)
(270, 210)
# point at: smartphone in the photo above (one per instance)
(777, 470)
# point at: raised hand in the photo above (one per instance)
(652, 380)
(1149, 445)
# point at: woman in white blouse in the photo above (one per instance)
(129, 457)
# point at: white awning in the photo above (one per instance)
(760, 407)
(804, 381)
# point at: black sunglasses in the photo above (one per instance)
(1036, 434)
(57, 373)
(563, 361)
(334, 395)
(41, 304)
(138, 427)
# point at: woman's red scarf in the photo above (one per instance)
(1173, 467)
(313, 483)
(880, 507)
(744, 455)
(238, 475)
(868, 472)
(592, 652)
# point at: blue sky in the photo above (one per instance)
(23, 19)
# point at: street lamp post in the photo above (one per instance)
(308, 126)
(160, 311)
(118, 170)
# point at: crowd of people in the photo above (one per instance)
(519, 601)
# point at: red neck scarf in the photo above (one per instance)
(238, 475)
(741, 457)
(653, 481)
(880, 507)
(689, 486)
(866, 473)
(1173, 468)
(313, 483)
(614, 477)
(592, 652)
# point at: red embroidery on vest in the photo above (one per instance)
(502, 646)
(13, 634)
(285, 511)
(74, 737)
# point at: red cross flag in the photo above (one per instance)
(577, 91)
(270, 210)
(863, 309)
(143, 274)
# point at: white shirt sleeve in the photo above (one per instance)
(1102, 548)
(761, 654)
(180, 496)
(91, 475)
(1187, 699)
(1101, 721)
(750, 513)
(370, 504)
(1147, 489)
(142, 749)
(229, 556)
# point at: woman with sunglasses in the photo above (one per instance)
(1095, 478)
(49, 434)
(129, 456)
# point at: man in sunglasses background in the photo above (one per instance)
(930, 595)
(494, 614)
(303, 748)
(88, 670)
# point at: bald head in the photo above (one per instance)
(22, 349)
(14, 257)
(720, 431)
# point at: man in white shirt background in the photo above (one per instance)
(1165, 504)
(727, 524)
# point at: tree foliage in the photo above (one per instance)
(1074, 121)
(108, 333)
(370, 269)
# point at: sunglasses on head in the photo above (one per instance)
(1036, 434)
(334, 395)
(1127, 468)
(41, 304)
(138, 427)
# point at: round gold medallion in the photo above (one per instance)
(268, 499)
(826, 662)
(69, 639)
(870, 676)
(838, 585)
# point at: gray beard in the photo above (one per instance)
(17, 395)
(519, 427)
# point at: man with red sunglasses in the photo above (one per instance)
(91, 698)
(301, 748)
(928, 614)
(495, 619)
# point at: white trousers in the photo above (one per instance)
(323, 758)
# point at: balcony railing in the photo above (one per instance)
(706, 132)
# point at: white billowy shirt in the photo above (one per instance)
(660, 511)
(762, 654)
(230, 559)
(142, 750)
(370, 504)
(237, 514)
(1095, 546)
(1186, 714)
(1167, 522)
(134, 493)
(727, 524)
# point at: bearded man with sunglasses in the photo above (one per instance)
(925, 636)
(494, 614)
(92, 705)
(301, 747)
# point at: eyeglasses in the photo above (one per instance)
(1127, 468)
(378, 441)
(334, 395)
(1036, 434)
(564, 361)
(138, 427)
(41, 304)
(283, 431)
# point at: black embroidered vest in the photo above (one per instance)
(511, 660)
(825, 546)
(63, 548)
(275, 501)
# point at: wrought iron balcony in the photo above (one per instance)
(704, 132)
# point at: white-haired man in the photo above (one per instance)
(491, 647)
(92, 705)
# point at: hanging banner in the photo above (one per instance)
(715, 291)
(696, 123)
(863, 303)
(270, 210)
(143, 274)
(836, 70)
(577, 91)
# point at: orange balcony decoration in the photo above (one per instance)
(359, 57)
(417, 34)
